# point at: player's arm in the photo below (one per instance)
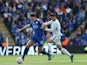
(26, 26)
(48, 34)
(44, 25)
(47, 23)
(50, 29)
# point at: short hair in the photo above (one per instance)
(33, 14)
(53, 14)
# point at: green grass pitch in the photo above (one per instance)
(79, 59)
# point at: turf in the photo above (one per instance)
(79, 59)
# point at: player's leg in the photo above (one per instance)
(48, 35)
(30, 43)
(63, 50)
(40, 50)
(56, 40)
(34, 46)
(50, 48)
(44, 53)
(49, 41)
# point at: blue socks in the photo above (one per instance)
(44, 52)
(25, 52)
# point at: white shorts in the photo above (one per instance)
(56, 39)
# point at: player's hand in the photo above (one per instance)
(43, 26)
(18, 30)
(48, 35)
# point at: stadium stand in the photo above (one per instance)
(5, 31)
(71, 13)
(1, 39)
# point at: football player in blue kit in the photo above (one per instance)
(37, 36)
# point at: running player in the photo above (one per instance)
(37, 36)
(56, 34)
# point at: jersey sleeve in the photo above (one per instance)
(51, 29)
(48, 23)
(30, 24)
(40, 21)
(58, 26)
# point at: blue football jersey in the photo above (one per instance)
(36, 25)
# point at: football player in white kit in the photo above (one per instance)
(56, 34)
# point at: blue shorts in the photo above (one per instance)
(38, 40)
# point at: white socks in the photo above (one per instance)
(65, 52)
(50, 48)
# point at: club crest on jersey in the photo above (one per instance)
(35, 26)
(36, 22)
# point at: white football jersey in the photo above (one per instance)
(55, 27)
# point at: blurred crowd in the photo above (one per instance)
(83, 36)
(80, 37)
(71, 14)
(1, 39)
